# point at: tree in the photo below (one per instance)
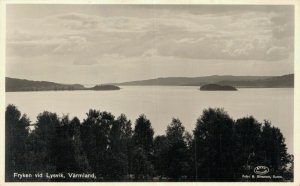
(143, 142)
(190, 155)
(289, 173)
(69, 155)
(248, 133)
(142, 168)
(16, 134)
(274, 151)
(143, 134)
(95, 140)
(261, 145)
(88, 138)
(120, 146)
(44, 141)
(177, 161)
(64, 149)
(82, 164)
(160, 147)
(214, 143)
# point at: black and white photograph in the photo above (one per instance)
(149, 92)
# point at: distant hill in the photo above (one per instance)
(19, 85)
(285, 81)
(237, 81)
(14, 84)
(215, 87)
(191, 81)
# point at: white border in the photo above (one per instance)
(296, 4)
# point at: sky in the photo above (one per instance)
(94, 44)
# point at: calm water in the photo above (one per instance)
(160, 104)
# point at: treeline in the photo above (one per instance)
(15, 85)
(219, 148)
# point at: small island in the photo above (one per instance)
(105, 87)
(216, 87)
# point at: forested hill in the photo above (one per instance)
(237, 81)
(13, 84)
(19, 85)
(273, 82)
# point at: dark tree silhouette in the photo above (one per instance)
(248, 132)
(160, 146)
(142, 168)
(69, 155)
(16, 134)
(214, 143)
(80, 156)
(143, 134)
(143, 147)
(177, 160)
(220, 149)
(95, 140)
(120, 148)
(274, 151)
(45, 141)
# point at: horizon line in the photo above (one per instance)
(150, 78)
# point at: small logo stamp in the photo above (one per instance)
(261, 170)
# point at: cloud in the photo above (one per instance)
(76, 21)
(47, 46)
(184, 33)
(32, 47)
(277, 53)
(72, 44)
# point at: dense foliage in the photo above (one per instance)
(219, 149)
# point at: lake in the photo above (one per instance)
(161, 103)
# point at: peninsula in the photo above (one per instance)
(22, 85)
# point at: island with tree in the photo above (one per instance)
(216, 87)
(105, 87)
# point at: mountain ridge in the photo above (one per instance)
(244, 81)
(284, 81)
